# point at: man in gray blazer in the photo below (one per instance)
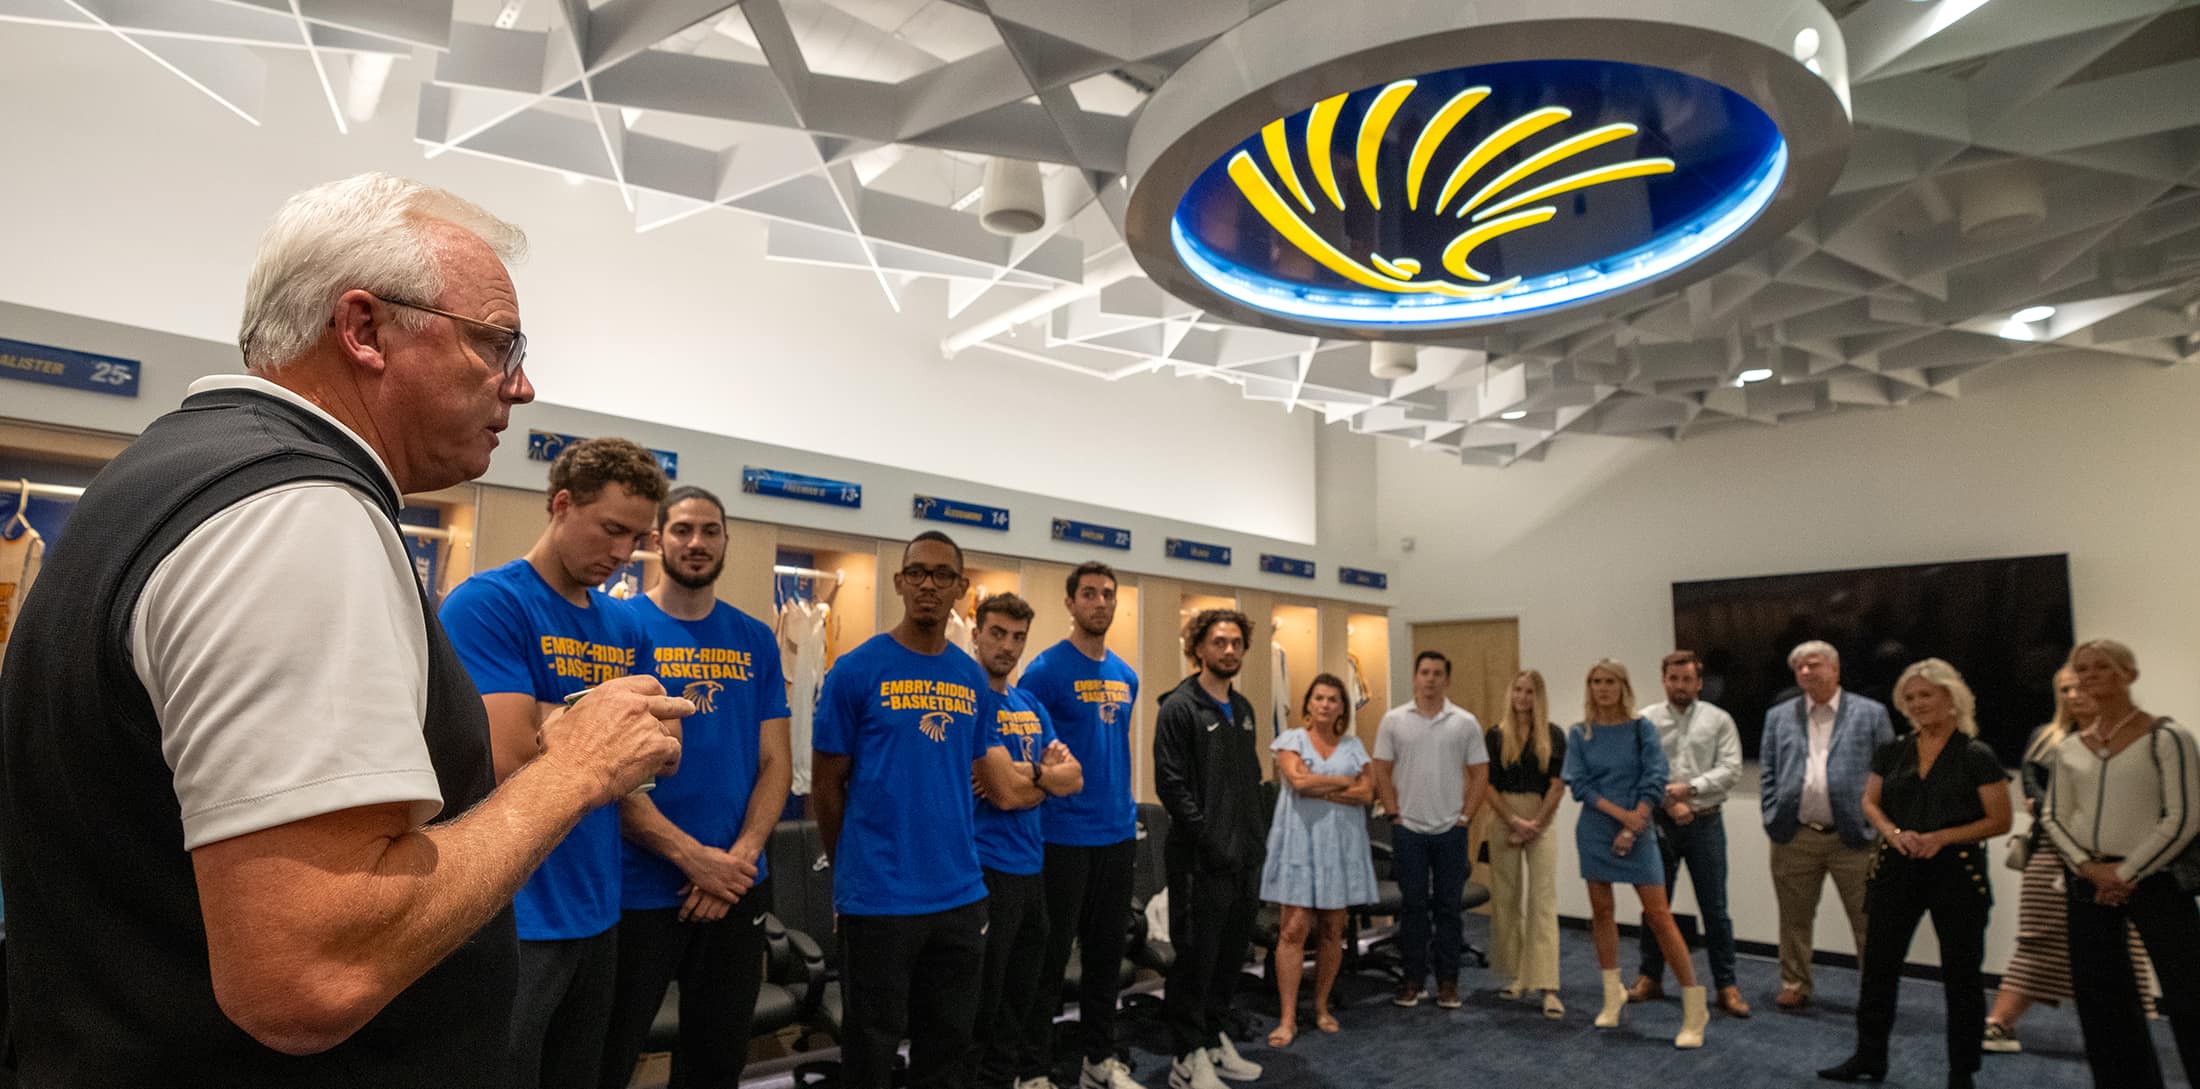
(1816, 756)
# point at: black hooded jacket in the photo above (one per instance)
(1207, 774)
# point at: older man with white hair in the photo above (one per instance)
(1817, 754)
(250, 831)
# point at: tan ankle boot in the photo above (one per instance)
(1695, 1015)
(1615, 1000)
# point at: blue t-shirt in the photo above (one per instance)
(515, 634)
(909, 723)
(1009, 840)
(1090, 705)
(727, 664)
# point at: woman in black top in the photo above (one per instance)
(1934, 795)
(1526, 752)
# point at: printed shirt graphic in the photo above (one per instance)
(727, 664)
(515, 634)
(909, 723)
(1090, 705)
(1009, 840)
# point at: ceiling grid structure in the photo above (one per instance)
(2007, 155)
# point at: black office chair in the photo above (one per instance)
(792, 988)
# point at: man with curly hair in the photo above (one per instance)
(1207, 774)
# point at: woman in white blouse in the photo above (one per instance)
(2123, 805)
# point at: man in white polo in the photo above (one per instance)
(1431, 767)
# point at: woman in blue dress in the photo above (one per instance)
(1617, 772)
(1318, 859)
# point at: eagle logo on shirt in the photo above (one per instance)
(935, 724)
(704, 695)
(1108, 712)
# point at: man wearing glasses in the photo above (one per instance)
(897, 743)
(252, 835)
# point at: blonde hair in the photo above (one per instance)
(371, 232)
(1626, 691)
(2056, 729)
(1934, 671)
(2118, 655)
(1517, 736)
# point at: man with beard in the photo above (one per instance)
(695, 893)
(896, 742)
(1091, 836)
(1019, 735)
(535, 634)
(1208, 776)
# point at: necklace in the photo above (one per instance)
(2104, 743)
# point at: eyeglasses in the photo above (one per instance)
(942, 577)
(514, 351)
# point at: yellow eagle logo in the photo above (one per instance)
(704, 695)
(1489, 212)
(935, 724)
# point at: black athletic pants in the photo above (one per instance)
(1951, 886)
(563, 1011)
(2117, 1044)
(1211, 925)
(719, 965)
(909, 976)
(1088, 892)
(1008, 988)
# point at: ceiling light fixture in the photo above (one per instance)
(2017, 330)
(1754, 374)
(1390, 360)
(1515, 414)
(509, 14)
(2033, 313)
(1015, 200)
(574, 177)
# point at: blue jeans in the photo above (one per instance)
(1702, 844)
(1431, 873)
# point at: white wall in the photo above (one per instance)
(132, 198)
(2099, 460)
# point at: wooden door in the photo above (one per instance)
(1485, 654)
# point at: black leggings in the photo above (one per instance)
(2117, 1044)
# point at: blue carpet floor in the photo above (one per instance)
(1491, 1041)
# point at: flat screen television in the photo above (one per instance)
(2004, 623)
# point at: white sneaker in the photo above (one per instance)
(1108, 1073)
(1228, 1063)
(1040, 1082)
(1194, 1071)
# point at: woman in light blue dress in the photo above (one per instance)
(1617, 772)
(1318, 859)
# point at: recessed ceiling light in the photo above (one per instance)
(1516, 414)
(2017, 330)
(2033, 313)
(1755, 374)
(1806, 43)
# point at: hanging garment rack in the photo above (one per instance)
(67, 491)
(805, 572)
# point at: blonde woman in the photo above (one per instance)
(1934, 795)
(1617, 771)
(1524, 790)
(1319, 862)
(2039, 969)
(2124, 805)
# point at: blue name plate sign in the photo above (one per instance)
(1088, 533)
(1285, 565)
(1373, 580)
(547, 445)
(1180, 549)
(46, 364)
(815, 489)
(956, 512)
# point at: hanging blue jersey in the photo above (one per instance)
(515, 634)
(727, 664)
(1090, 705)
(909, 724)
(1008, 839)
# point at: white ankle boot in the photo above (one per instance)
(1615, 1000)
(1695, 1015)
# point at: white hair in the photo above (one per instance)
(1816, 646)
(369, 232)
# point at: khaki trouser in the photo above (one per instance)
(1799, 871)
(1524, 946)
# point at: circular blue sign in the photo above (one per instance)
(1479, 194)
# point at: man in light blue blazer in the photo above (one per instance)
(1817, 754)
